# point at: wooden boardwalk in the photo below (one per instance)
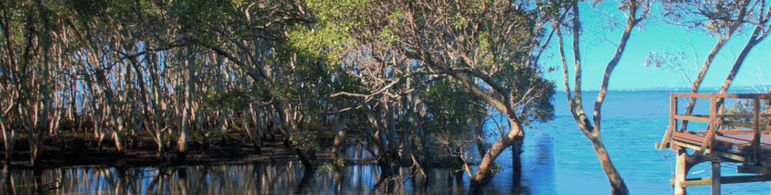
(740, 138)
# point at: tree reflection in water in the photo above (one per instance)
(258, 178)
(279, 177)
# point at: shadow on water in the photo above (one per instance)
(281, 177)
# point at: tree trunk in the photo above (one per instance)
(516, 162)
(755, 38)
(480, 137)
(35, 145)
(617, 185)
(722, 40)
(386, 171)
(182, 142)
(515, 135)
(159, 107)
(36, 135)
(337, 151)
(406, 153)
(116, 134)
(308, 159)
(589, 129)
(9, 137)
(257, 120)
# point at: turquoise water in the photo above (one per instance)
(632, 122)
(557, 159)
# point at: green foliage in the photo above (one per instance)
(339, 161)
(305, 141)
(450, 106)
(328, 37)
(197, 16)
(746, 107)
(88, 8)
(741, 107)
(496, 168)
(453, 163)
(346, 12)
(326, 167)
(485, 47)
(236, 99)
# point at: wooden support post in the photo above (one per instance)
(680, 172)
(756, 126)
(709, 140)
(705, 181)
(715, 178)
(753, 169)
(672, 123)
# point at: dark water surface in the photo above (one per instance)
(557, 159)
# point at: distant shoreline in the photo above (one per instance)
(742, 89)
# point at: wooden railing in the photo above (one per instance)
(717, 121)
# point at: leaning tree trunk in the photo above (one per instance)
(513, 137)
(755, 38)
(617, 184)
(722, 40)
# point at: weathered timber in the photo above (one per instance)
(703, 181)
(725, 139)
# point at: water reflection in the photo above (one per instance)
(284, 177)
(278, 177)
(257, 178)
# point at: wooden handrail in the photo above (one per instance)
(720, 95)
(714, 119)
(730, 115)
(695, 95)
(692, 118)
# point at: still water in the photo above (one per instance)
(557, 159)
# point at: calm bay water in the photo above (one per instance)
(557, 159)
(632, 122)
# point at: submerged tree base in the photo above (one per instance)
(79, 150)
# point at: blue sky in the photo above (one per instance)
(631, 74)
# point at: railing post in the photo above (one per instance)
(709, 140)
(672, 111)
(769, 112)
(756, 126)
(672, 123)
(712, 111)
(672, 120)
